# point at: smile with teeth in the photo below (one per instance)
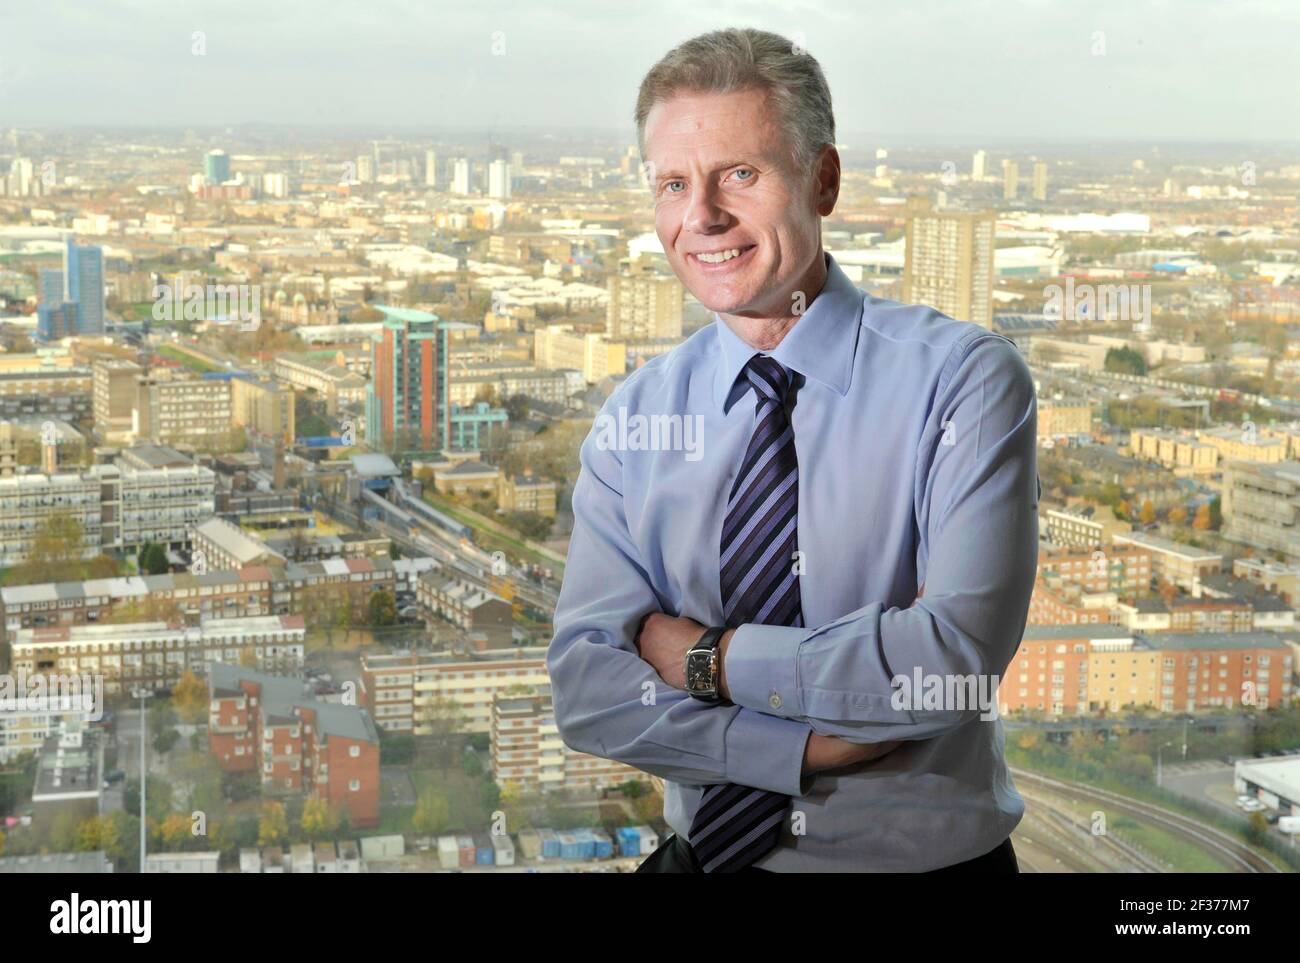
(717, 257)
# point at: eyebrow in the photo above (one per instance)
(670, 175)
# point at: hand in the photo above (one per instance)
(663, 641)
(824, 753)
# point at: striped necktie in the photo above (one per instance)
(735, 825)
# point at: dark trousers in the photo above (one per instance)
(676, 856)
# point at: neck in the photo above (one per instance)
(763, 332)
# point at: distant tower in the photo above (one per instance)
(979, 165)
(460, 176)
(1010, 180)
(430, 168)
(499, 180)
(1040, 181)
(948, 264)
(216, 167)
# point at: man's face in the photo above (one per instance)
(721, 183)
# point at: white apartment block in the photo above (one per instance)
(157, 654)
(119, 509)
(406, 692)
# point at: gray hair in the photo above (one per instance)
(726, 61)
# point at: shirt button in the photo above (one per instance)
(774, 700)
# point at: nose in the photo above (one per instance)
(703, 215)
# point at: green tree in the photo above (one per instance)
(318, 820)
(56, 551)
(1125, 361)
(159, 798)
(382, 609)
(190, 697)
(432, 813)
(152, 559)
(273, 825)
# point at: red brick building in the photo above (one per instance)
(296, 742)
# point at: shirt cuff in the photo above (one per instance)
(764, 752)
(761, 664)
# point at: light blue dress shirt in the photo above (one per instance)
(915, 436)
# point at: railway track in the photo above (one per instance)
(1235, 855)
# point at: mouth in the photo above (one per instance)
(726, 259)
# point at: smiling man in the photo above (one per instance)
(799, 627)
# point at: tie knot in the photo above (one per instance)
(770, 378)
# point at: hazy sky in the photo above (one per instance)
(1205, 70)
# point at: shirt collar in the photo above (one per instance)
(819, 346)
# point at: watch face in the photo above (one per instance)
(699, 672)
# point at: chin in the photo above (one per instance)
(723, 302)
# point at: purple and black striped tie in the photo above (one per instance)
(735, 825)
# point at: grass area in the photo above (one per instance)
(1164, 847)
(186, 360)
(1148, 839)
(343, 640)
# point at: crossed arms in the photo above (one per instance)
(977, 512)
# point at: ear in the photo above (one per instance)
(827, 179)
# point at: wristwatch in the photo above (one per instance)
(704, 666)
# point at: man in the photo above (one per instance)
(792, 596)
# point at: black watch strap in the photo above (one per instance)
(711, 638)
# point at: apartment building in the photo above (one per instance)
(527, 751)
(949, 261)
(1283, 580)
(1064, 419)
(1125, 569)
(466, 605)
(644, 305)
(1180, 565)
(222, 545)
(1236, 443)
(265, 407)
(1049, 672)
(156, 654)
(1205, 614)
(8, 450)
(335, 383)
(1079, 670)
(176, 409)
(264, 723)
(115, 386)
(1081, 526)
(413, 691)
(118, 509)
(64, 393)
(1056, 603)
(1261, 505)
(467, 477)
(1122, 674)
(1200, 672)
(595, 355)
(549, 386)
(256, 590)
(526, 493)
(1180, 452)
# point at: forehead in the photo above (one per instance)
(694, 126)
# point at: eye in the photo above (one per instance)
(669, 184)
(744, 170)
